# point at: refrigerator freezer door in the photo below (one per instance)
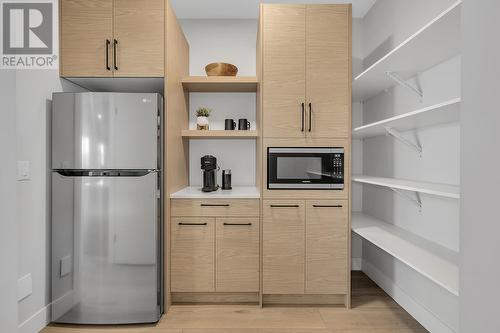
(105, 131)
(105, 263)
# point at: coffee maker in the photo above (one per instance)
(209, 167)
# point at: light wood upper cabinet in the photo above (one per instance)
(112, 38)
(306, 58)
(327, 245)
(328, 70)
(283, 246)
(283, 60)
(237, 254)
(86, 33)
(138, 29)
(193, 254)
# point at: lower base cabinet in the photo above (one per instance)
(305, 247)
(237, 255)
(193, 254)
(215, 253)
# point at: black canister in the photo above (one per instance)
(226, 179)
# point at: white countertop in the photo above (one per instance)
(238, 192)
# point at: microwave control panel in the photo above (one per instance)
(338, 165)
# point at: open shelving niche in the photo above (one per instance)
(434, 43)
(220, 84)
(412, 56)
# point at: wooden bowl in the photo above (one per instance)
(221, 69)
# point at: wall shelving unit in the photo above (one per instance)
(434, 43)
(431, 260)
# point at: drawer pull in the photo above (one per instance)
(284, 206)
(237, 223)
(181, 223)
(326, 206)
(214, 205)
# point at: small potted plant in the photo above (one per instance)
(202, 114)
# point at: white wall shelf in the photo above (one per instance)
(431, 260)
(442, 190)
(441, 113)
(434, 43)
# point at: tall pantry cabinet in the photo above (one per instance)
(305, 101)
(306, 70)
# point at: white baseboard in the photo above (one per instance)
(417, 311)
(36, 322)
(355, 264)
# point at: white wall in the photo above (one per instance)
(357, 145)
(232, 41)
(387, 24)
(8, 225)
(33, 93)
(480, 117)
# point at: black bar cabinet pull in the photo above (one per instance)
(302, 116)
(237, 223)
(181, 223)
(214, 205)
(310, 116)
(284, 206)
(325, 206)
(115, 42)
(107, 54)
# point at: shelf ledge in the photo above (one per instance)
(220, 83)
(433, 261)
(219, 134)
(437, 114)
(441, 190)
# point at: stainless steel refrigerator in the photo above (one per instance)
(106, 208)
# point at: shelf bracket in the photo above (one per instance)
(415, 91)
(394, 133)
(417, 201)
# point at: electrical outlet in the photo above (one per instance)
(24, 287)
(23, 170)
(65, 266)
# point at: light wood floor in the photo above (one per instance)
(372, 312)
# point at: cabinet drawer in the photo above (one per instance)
(214, 207)
(193, 254)
(237, 253)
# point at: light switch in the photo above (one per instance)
(23, 170)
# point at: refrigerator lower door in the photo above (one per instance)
(105, 249)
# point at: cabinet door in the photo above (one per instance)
(328, 70)
(327, 244)
(283, 85)
(139, 31)
(192, 254)
(237, 255)
(85, 27)
(283, 246)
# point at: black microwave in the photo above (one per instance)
(305, 168)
